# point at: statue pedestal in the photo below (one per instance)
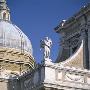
(46, 61)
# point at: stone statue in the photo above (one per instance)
(46, 45)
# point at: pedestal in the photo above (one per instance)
(46, 61)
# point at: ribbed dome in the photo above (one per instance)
(12, 37)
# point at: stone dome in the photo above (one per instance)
(12, 37)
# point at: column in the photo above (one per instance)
(89, 41)
(84, 35)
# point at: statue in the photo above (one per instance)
(46, 45)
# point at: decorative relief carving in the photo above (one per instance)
(74, 77)
(71, 42)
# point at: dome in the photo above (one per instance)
(12, 37)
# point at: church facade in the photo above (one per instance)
(70, 71)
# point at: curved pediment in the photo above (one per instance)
(76, 60)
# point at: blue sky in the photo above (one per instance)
(38, 18)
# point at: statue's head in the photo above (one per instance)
(46, 38)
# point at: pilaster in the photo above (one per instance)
(89, 41)
(84, 35)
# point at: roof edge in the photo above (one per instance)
(80, 13)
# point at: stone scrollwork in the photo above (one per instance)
(75, 78)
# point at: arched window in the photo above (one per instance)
(4, 16)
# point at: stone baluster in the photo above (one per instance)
(85, 78)
(63, 75)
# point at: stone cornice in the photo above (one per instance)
(67, 85)
(15, 60)
(58, 66)
(73, 19)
